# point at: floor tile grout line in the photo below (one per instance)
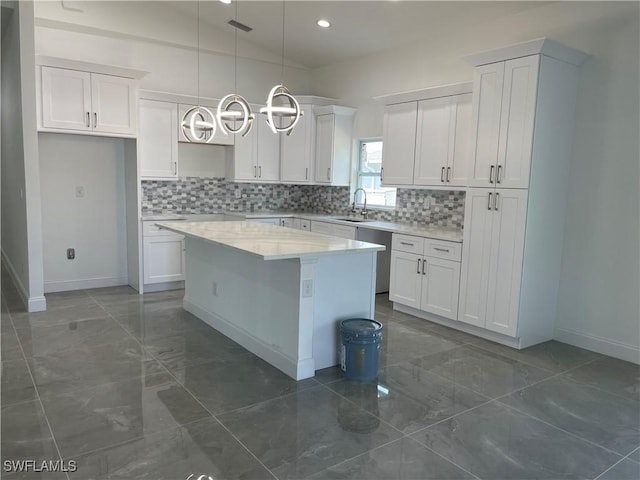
(527, 414)
(444, 457)
(37, 394)
(206, 409)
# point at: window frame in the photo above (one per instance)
(361, 174)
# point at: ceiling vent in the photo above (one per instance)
(239, 26)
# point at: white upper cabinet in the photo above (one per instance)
(504, 113)
(426, 142)
(88, 102)
(219, 138)
(158, 139)
(297, 150)
(333, 145)
(256, 156)
(399, 143)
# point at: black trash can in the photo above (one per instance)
(360, 339)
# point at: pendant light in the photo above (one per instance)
(198, 123)
(289, 107)
(228, 114)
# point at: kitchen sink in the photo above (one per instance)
(354, 220)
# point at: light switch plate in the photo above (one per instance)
(307, 288)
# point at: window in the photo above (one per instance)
(369, 166)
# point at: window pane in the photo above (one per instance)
(376, 194)
(371, 156)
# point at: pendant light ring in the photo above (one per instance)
(199, 124)
(227, 116)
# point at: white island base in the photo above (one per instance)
(286, 311)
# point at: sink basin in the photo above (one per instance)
(354, 220)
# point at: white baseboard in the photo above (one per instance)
(298, 370)
(32, 304)
(99, 282)
(605, 346)
(162, 287)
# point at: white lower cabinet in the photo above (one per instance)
(163, 252)
(492, 258)
(333, 229)
(425, 282)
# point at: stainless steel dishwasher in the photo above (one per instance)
(383, 265)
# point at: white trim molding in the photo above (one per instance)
(605, 346)
(32, 304)
(84, 283)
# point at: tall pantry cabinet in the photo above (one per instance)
(524, 100)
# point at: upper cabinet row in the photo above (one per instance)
(76, 101)
(454, 141)
(318, 151)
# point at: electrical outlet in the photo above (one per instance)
(307, 288)
(286, 194)
(427, 203)
(71, 253)
(214, 289)
(238, 193)
(79, 192)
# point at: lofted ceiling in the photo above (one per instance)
(358, 27)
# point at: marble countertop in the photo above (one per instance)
(269, 242)
(452, 234)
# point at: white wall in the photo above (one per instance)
(94, 224)
(599, 291)
(21, 214)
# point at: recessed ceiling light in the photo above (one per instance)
(323, 23)
(227, 2)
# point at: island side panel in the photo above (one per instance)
(345, 288)
(254, 302)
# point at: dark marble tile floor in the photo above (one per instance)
(131, 386)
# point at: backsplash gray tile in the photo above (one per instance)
(213, 195)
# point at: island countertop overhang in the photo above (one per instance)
(269, 242)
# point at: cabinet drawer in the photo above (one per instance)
(443, 249)
(149, 229)
(407, 243)
(321, 227)
(305, 225)
(344, 231)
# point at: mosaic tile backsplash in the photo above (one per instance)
(213, 195)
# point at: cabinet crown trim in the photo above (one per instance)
(426, 93)
(336, 109)
(539, 46)
(116, 71)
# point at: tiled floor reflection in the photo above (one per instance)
(135, 387)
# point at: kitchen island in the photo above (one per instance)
(278, 292)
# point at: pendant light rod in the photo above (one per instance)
(198, 48)
(282, 73)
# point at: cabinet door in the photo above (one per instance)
(245, 165)
(158, 139)
(268, 153)
(66, 99)
(487, 101)
(164, 259)
(325, 126)
(297, 150)
(506, 252)
(516, 122)
(269, 221)
(476, 248)
(432, 142)
(405, 283)
(322, 227)
(440, 286)
(344, 231)
(113, 100)
(289, 222)
(460, 147)
(219, 138)
(399, 143)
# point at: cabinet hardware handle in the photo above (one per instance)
(88, 119)
(489, 204)
(448, 172)
(255, 171)
(491, 173)
(438, 249)
(329, 173)
(424, 271)
(495, 202)
(260, 171)
(381, 172)
(419, 260)
(442, 175)
(498, 176)
(175, 168)
(306, 173)
(407, 243)
(95, 120)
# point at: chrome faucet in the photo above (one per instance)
(364, 211)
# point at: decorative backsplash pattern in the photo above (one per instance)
(213, 195)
